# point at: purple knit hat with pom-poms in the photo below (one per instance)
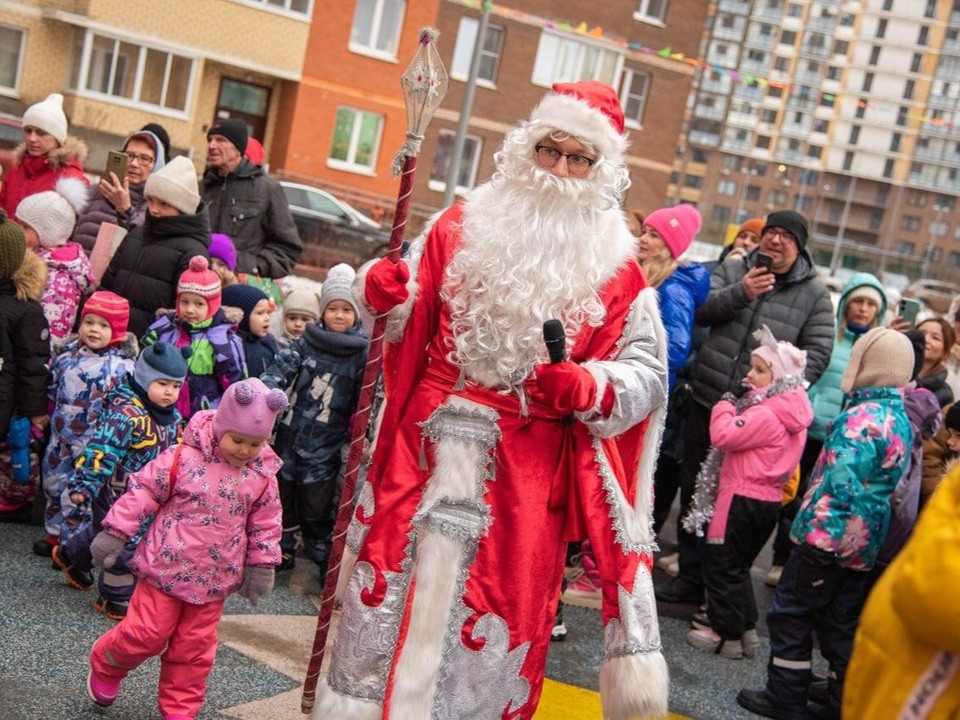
(249, 408)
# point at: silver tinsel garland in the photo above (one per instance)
(708, 479)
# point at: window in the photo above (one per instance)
(781, 64)
(887, 5)
(469, 160)
(923, 35)
(882, 28)
(902, 115)
(874, 55)
(768, 116)
(883, 194)
(895, 142)
(917, 198)
(820, 125)
(565, 59)
(106, 66)
(840, 47)
(633, 96)
(11, 54)
(861, 109)
(788, 37)
(908, 89)
(376, 27)
(847, 20)
(727, 188)
(867, 82)
(757, 56)
(763, 142)
(301, 7)
(888, 168)
(489, 53)
(847, 160)
(356, 140)
(698, 155)
(794, 10)
(651, 11)
(721, 214)
(693, 181)
(731, 162)
(906, 248)
(834, 72)
(814, 151)
(916, 63)
(778, 198)
(931, 9)
(954, 258)
(753, 193)
(910, 223)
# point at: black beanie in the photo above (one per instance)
(232, 129)
(919, 342)
(161, 133)
(952, 418)
(791, 221)
(244, 297)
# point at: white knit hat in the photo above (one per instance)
(48, 116)
(53, 213)
(338, 285)
(175, 184)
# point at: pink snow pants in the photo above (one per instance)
(156, 621)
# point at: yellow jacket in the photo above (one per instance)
(906, 655)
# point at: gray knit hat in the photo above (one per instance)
(338, 285)
(161, 361)
(302, 302)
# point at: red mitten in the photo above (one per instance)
(386, 285)
(566, 387)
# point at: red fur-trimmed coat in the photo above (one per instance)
(32, 174)
(462, 527)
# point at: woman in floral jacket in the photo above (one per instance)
(840, 529)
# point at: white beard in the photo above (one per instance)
(534, 247)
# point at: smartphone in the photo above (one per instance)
(117, 164)
(909, 309)
(764, 260)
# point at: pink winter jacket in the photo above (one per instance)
(218, 521)
(762, 447)
(69, 280)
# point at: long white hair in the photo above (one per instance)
(535, 246)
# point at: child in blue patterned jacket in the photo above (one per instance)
(88, 367)
(840, 529)
(138, 422)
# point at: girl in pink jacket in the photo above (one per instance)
(756, 441)
(215, 530)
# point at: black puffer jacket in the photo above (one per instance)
(251, 208)
(797, 310)
(24, 343)
(149, 261)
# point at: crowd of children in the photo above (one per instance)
(156, 448)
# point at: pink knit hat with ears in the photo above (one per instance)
(249, 408)
(677, 225)
(784, 359)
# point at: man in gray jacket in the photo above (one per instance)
(248, 205)
(788, 298)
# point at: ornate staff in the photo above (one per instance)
(424, 84)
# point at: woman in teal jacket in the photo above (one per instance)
(862, 305)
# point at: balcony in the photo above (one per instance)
(790, 156)
(709, 113)
(807, 78)
(698, 137)
(737, 7)
(772, 14)
(798, 131)
(724, 61)
(761, 42)
(943, 102)
(817, 51)
(745, 92)
(935, 131)
(734, 34)
(737, 145)
(937, 156)
(802, 103)
(742, 120)
(753, 67)
(720, 86)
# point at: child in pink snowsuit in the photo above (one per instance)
(756, 442)
(215, 531)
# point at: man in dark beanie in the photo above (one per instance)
(248, 205)
(774, 285)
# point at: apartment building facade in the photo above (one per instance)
(121, 64)
(846, 110)
(348, 121)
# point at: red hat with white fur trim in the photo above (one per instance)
(588, 110)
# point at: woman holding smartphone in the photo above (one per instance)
(118, 198)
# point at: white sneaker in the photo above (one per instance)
(670, 564)
(772, 578)
(708, 641)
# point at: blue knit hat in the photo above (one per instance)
(244, 297)
(161, 361)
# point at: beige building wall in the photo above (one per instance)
(226, 38)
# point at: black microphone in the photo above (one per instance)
(556, 341)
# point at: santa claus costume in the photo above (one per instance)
(479, 478)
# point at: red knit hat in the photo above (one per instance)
(677, 225)
(588, 110)
(199, 279)
(112, 308)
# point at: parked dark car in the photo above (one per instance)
(331, 230)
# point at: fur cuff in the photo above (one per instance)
(634, 687)
(331, 704)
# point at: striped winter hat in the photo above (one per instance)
(199, 279)
(112, 308)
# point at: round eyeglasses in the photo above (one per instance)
(142, 159)
(576, 164)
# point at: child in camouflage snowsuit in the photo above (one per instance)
(321, 373)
